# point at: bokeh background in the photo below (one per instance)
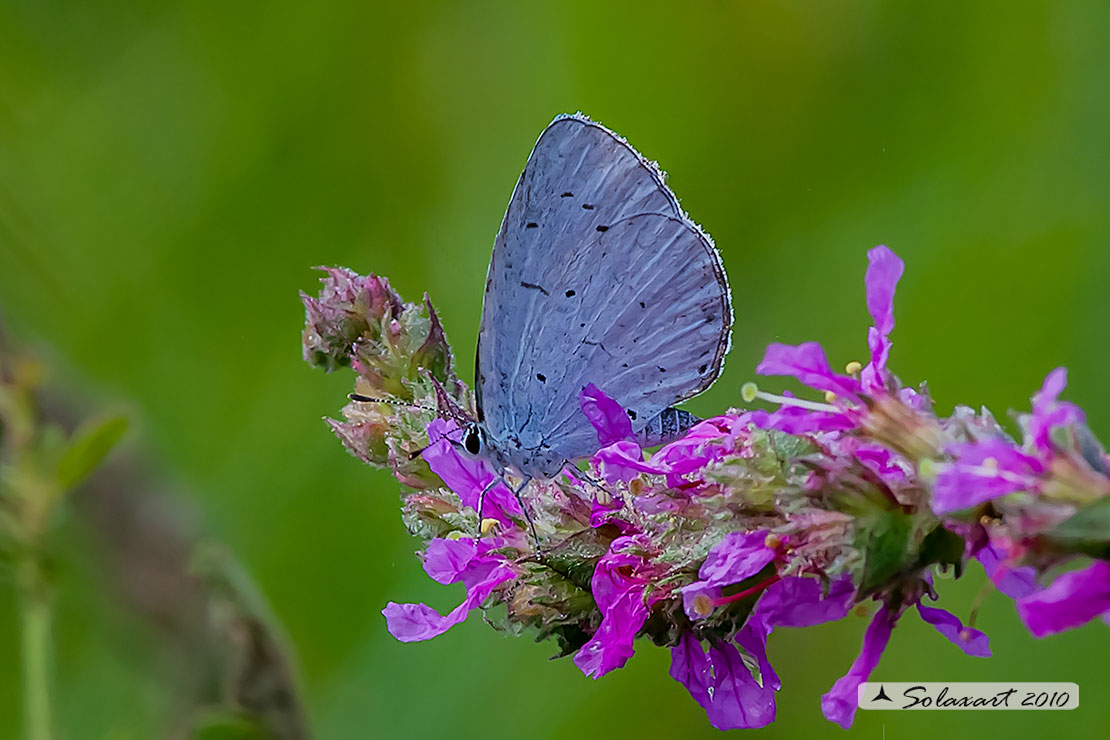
(170, 172)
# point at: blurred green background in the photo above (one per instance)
(170, 172)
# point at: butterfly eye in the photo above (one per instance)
(472, 442)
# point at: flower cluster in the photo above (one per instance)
(787, 516)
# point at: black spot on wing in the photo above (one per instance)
(534, 286)
(570, 294)
(541, 377)
(531, 225)
(602, 228)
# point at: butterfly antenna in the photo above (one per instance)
(358, 397)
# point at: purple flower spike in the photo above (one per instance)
(884, 270)
(839, 704)
(620, 597)
(970, 640)
(449, 562)
(468, 476)
(607, 416)
(1049, 413)
(1072, 600)
(982, 471)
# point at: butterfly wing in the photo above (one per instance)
(597, 276)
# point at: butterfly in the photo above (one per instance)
(597, 276)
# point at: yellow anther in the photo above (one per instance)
(829, 396)
(853, 368)
(861, 610)
(772, 541)
(927, 470)
(748, 391)
(703, 605)
(985, 520)
(489, 525)
(454, 534)
(636, 486)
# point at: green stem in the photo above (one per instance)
(35, 607)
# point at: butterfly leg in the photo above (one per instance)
(599, 485)
(482, 496)
(519, 499)
(524, 509)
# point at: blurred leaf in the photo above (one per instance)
(1087, 531)
(256, 666)
(88, 447)
(220, 724)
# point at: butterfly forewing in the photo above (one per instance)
(596, 277)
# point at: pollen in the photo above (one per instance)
(829, 396)
(636, 486)
(703, 605)
(748, 391)
(861, 610)
(853, 368)
(772, 541)
(490, 525)
(990, 463)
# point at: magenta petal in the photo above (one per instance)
(884, 270)
(839, 704)
(794, 420)
(970, 640)
(981, 471)
(446, 560)
(1049, 412)
(753, 638)
(1014, 582)
(612, 645)
(416, 622)
(620, 597)
(623, 461)
(796, 601)
(609, 419)
(738, 701)
(738, 556)
(1073, 599)
(691, 668)
(807, 363)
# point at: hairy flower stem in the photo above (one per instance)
(35, 608)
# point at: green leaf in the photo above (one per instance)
(883, 538)
(87, 448)
(942, 546)
(1087, 531)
